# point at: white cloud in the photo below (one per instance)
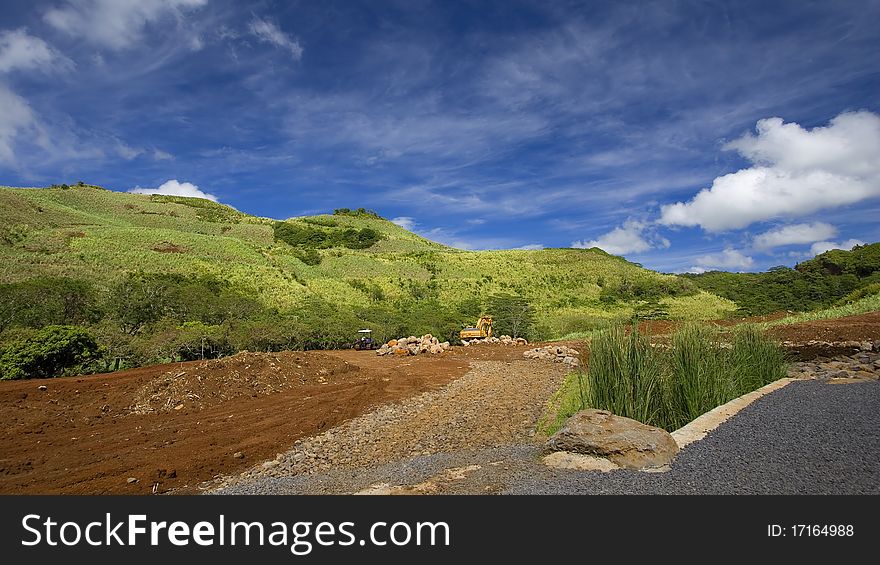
(795, 234)
(795, 172)
(175, 188)
(631, 237)
(160, 155)
(16, 118)
(116, 24)
(268, 32)
(823, 246)
(405, 222)
(20, 50)
(729, 260)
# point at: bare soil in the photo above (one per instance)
(90, 435)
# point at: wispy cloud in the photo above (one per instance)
(21, 51)
(269, 32)
(115, 24)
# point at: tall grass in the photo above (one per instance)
(671, 385)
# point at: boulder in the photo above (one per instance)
(445, 345)
(392, 343)
(401, 351)
(625, 442)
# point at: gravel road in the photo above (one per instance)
(495, 403)
(809, 437)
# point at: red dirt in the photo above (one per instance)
(81, 435)
(864, 327)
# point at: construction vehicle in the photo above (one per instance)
(365, 341)
(482, 330)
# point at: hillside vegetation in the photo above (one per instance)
(833, 278)
(152, 277)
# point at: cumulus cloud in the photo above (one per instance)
(115, 24)
(175, 188)
(631, 237)
(728, 260)
(21, 51)
(795, 172)
(795, 234)
(268, 32)
(823, 246)
(405, 222)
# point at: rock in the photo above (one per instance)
(392, 343)
(866, 346)
(238, 455)
(445, 345)
(42, 387)
(131, 480)
(623, 441)
(401, 351)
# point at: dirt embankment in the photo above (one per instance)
(181, 424)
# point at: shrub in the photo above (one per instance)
(48, 353)
(320, 238)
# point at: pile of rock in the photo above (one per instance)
(861, 366)
(854, 345)
(413, 345)
(503, 340)
(555, 353)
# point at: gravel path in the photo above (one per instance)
(495, 403)
(809, 437)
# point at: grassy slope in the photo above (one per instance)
(99, 235)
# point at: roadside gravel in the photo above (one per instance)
(496, 403)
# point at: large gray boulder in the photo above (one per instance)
(628, 443)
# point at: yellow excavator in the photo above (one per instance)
(482, 330)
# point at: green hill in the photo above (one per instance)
(831, 278)
(350, 264)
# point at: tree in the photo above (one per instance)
(511, 315)
(48, 353)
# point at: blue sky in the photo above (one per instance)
(682, 135)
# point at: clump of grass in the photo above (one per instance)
(668, 386)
